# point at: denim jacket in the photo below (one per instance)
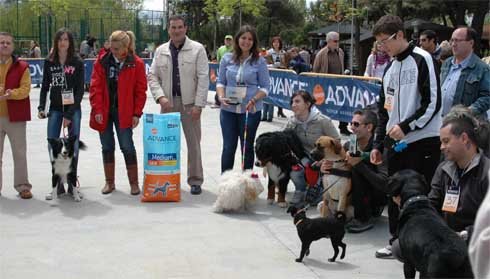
(473, 89)
(255, 77)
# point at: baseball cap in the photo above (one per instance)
(229, 37)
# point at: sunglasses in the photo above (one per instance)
(356, 124)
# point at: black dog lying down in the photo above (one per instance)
(310, 230)
(427, 244)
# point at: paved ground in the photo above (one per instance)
(117, 236)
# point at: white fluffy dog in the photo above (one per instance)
(237, 191)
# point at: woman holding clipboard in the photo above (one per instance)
(243, 82)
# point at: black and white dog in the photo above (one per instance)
(278, 152)
(62, 165)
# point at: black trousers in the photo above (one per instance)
(365, 197)
(422, 156)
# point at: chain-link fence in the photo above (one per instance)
(26, 22)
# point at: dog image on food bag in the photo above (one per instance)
(427, 244)
(338, 182)
(310, 230)
(237, 191)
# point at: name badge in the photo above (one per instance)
(389, 99)
(67, 96)
(236, 94)
(451, 201)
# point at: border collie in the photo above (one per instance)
(61, 155)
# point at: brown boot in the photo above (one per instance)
(132, 169)
(109, 168)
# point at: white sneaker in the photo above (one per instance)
(384, 253)
(48, 196)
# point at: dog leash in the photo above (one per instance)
(321, 194)
(244, 140)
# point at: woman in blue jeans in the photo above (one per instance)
(63, 78)
(243, 82)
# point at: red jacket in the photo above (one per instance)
(131, 92)
(19, 110)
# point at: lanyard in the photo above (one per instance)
(239, 75)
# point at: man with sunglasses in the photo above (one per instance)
(465, 78)
(369, 181)
(330, 60)
(409, 111)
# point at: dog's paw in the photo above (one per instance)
(331, 260)
(298, 260)
(270, 201)
(217, 209)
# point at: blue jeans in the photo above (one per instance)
(232, 129)
(298, 176)
(55, 122)
(268, 111)
(124, 136)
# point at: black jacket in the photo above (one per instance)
(54, 82)
(473, 186)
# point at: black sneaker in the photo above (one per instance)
(356, 226)
(196, 189)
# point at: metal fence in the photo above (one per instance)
(25, 23)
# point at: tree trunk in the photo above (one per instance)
(357, 41)
(399, 8)
(478, 21)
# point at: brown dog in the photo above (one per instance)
(337, 197)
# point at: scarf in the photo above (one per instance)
(381, 58)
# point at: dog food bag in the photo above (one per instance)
(161, 145)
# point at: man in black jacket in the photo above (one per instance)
(369, 181)
(460, 182)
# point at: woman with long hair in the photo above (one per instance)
(244, 76)
(377, 62)
(63, 77)
(117, 97)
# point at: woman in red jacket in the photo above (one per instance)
(117, 97)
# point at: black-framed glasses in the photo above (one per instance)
(356, 124)
(383, 42)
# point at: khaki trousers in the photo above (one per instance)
(16, 132)
(192, 133)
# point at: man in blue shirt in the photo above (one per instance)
(465, 78)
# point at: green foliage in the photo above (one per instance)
(229, 7)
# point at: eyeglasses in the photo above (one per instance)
(454, 40)
(356, 124)
(382, 42)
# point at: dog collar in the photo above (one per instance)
(414, 199)
(299, 222)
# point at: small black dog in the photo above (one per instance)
(428, 245)
(310, 230)
(62, 165)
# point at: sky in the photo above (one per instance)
(158, 4)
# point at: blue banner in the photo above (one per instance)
(336, 96)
